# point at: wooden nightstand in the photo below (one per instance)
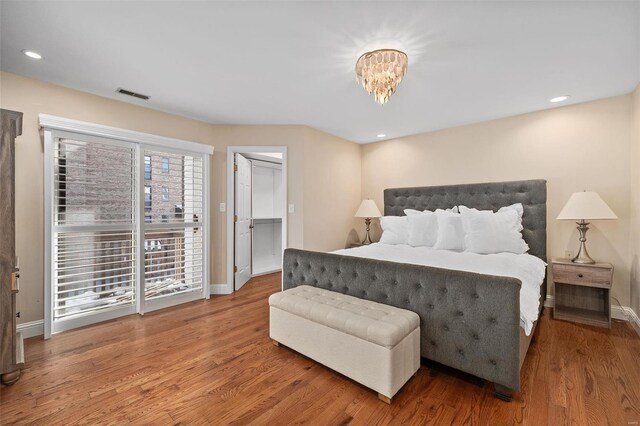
(582, 292)
(353, 245)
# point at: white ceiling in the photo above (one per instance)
(293, 62)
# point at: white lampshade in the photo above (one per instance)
(368, 208)
(586, 205)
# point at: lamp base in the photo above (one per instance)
(367, 239)
(583, 255)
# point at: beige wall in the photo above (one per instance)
(635, 203)
(33, 97)
(585, 146)
(332, 180)
(578, 147)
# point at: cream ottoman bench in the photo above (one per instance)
(374, 344)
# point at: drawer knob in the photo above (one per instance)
(580, 275)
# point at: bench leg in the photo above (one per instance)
(383, 398)
(275, 343)
(502, 392)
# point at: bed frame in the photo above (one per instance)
(468, 321)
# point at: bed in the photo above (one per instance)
(469, 321)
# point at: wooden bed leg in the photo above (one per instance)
(502, 392)
(275, 342)
(384, 398)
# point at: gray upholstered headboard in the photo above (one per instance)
(482, 196)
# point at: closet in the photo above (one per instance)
(266, 214)
(11, 346)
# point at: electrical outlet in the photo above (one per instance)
(568, 254)
(223, 207)
(292, 208)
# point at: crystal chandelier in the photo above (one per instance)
(380, 72)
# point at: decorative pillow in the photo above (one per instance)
(423, 229)
(450, 231)
(487, 232)
(395, 230)
(517, 207)
(410, 212)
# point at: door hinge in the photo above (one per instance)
(235, 269)
(235, 167)
(235, 217)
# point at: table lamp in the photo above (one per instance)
(368, 209)
(585, 205)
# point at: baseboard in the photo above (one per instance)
(36, 328)
(31, 329)
(633, 319)
(219, 289)
(623, 313)
(270, 271)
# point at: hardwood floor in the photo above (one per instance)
(212, 362)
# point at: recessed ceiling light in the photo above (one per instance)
(381, 135)
(559, 98)
(32, 54)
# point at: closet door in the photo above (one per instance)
(243, 224)
(173, 227)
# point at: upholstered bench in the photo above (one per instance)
(374, 344)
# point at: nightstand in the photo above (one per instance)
(582, 292)
(353, 245)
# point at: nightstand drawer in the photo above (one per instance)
(582, 275)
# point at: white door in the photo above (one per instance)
(172, 246)
(243, 221)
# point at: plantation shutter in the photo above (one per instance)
(94, 243)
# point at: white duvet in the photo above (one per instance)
(525, 267)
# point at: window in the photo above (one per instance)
(111, 250)
(165, 165)
(147, 203)
(94, 244)
(147, 167)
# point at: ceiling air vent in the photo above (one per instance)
(134, 94)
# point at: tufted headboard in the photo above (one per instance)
(482, 196)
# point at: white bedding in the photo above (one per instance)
(525, 267)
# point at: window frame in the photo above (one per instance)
(56, 127)
(150, 172)
(165, 161)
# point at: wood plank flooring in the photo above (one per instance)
(212, 362)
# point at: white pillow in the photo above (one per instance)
(517, 207)
(423, 229)
(488, 232)
(410, 212)
(450, 231)
(395, 230)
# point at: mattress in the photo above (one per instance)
(530, 270)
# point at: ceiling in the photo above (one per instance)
(293, 62)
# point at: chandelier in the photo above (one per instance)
(380, 72)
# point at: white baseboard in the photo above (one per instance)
(31, 329)
(36, 328)
(270, 271)
(623, 313)
(220, 289)
(633, 319)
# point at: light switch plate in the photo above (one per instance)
(223, 207)
(292, 208)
